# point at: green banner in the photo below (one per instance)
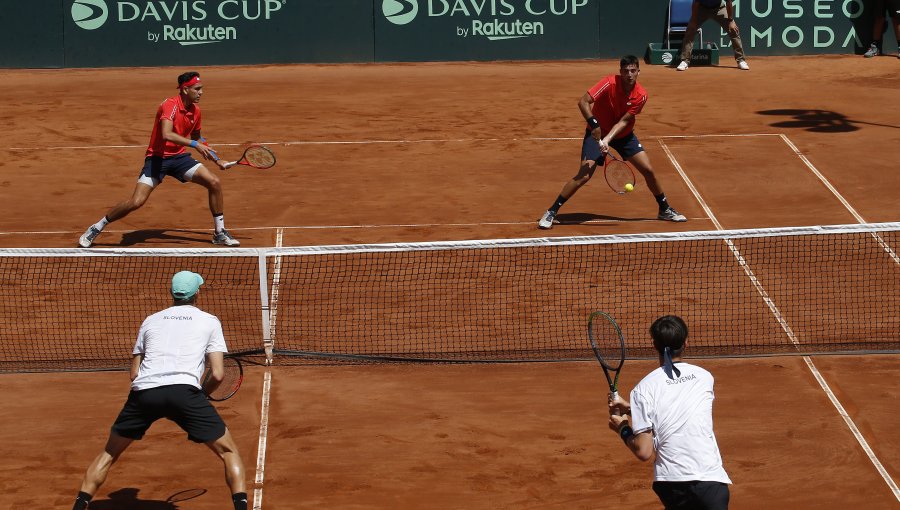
(205, 32)
(798, 27)
(31, 35)
(419, 30)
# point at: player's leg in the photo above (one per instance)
(151, 176)
(99, 468)
(134, 419)
(590, 158)
(137, 200)
(632, 151)
(189, 408)
(204, 177)
(585, 172)
(226, 449)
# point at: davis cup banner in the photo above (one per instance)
(418, 30)
(167, 32)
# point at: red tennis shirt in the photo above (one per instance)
(611, 102)
(184, 120)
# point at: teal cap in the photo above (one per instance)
(185, 284)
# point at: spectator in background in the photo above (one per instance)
(723, 12)
(878, 7)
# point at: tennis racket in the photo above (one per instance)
(255, 156)
(618, 174)
(608, 345)
(234, 376)
(185, 495)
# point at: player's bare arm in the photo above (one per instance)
(197, 136)
(584, 104)
(641, 445)
(216, 366)
(136, 365)
(619, 406)
(618, 128)
(167, 128)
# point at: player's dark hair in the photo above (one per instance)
(629, 60)
(669, 331)
(187, 301)
(186, 77)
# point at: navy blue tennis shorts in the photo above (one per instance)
(184, 404)
(627, 147)
(156, 168)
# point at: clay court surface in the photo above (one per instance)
(424, 152)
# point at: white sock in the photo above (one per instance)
(219, 220)
(100, 225)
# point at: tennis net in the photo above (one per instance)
(803, 290)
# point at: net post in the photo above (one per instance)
(268, 344)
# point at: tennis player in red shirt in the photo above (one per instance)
(609, 108)
(176, 127)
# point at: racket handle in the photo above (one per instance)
(230, 164)
(614, 395)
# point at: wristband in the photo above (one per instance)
(593, 122)
(625, 433)
(193, 143)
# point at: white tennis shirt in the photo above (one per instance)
(679, 411)
(174, 343)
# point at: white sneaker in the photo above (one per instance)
(546, 220)
(671, 215)
(873, 51)
(87, 239)
(682, 66)
(743, 65)
(225, 238)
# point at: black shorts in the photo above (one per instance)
(627, 147)
(892, 6)
(184, 404)
(693, 495)
(155, 169)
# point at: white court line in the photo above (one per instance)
(377, 142)
(261, 445)
(783, 323)
(335, 227)
(267, 385)
(881, 242)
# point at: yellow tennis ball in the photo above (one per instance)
(629, 187)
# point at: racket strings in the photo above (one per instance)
(618, 175)
(611, 352)
(259, 157)
(230, 382)
(606, 341)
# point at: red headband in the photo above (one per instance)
(193, 81)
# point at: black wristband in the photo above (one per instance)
(625, 433)
(593, 122)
